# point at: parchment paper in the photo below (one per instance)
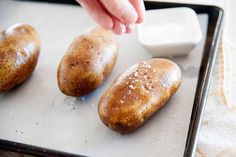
(37, 113)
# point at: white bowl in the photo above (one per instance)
(170, 32)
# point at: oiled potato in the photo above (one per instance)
(88, 62)
(138, 93)
(19, 51)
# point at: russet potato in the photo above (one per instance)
(19, 51)
(138, 93)
(88, 62)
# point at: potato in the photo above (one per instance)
(19, 51)
(88, 62)
(138, 93)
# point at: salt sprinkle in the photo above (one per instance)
(147, 65)
(82, 98)
(131, 86)
(129, 92)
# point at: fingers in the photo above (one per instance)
(96, 11)
(119, 28)
(121, 9)
(116, 15)
(130, 28)
(139, 7)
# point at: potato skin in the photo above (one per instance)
(138, 93)
(19, 51)
(88, 62)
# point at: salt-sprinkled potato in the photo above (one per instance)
(138, 93)
(88, 62)
(19, 51)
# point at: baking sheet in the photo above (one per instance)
(37, 113)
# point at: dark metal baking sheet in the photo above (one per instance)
(210, 52)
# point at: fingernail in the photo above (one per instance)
(123, 28)
(130, 28)
(129, 16)
(141, 18)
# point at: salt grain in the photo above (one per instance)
(131, 86)
(82, 98)
(147, 65)
(129, 92)
(70, 100)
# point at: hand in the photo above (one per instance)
(120, 16)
